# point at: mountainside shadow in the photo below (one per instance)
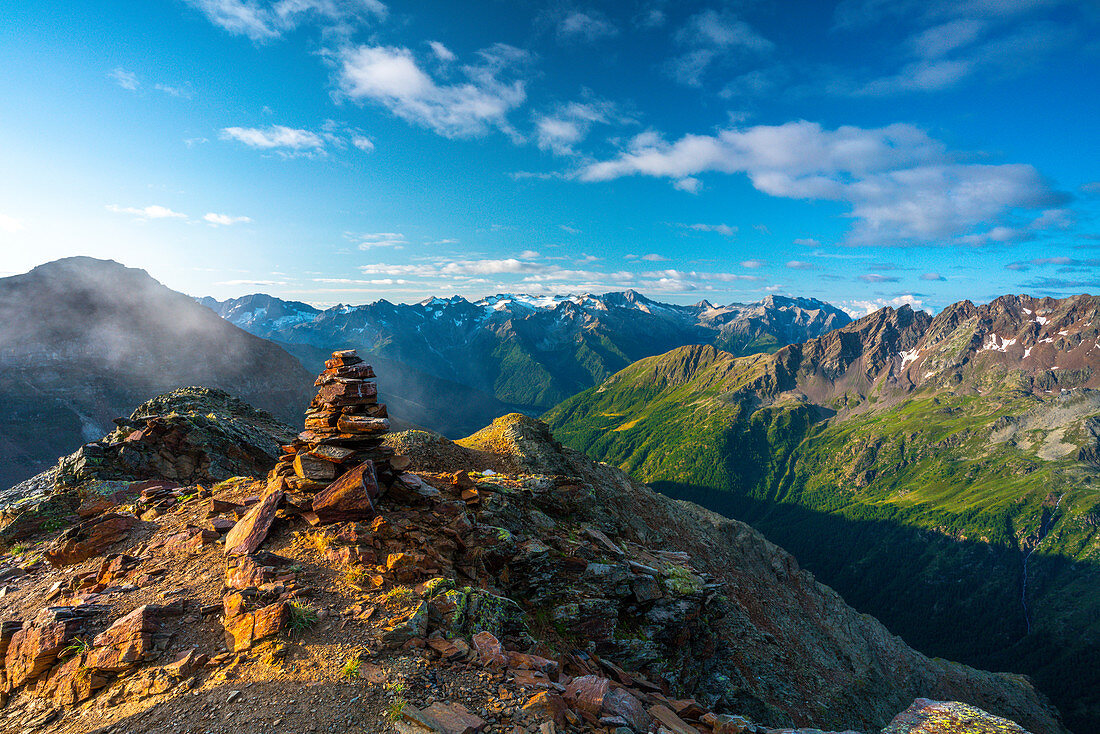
(956, 599)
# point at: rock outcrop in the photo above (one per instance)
(503, 584)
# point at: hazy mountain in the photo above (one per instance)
(912, 462)
(84, 340)
(522, 351)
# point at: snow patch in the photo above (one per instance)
(909, 356)
(994, 343)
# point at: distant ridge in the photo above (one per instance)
(520, 351)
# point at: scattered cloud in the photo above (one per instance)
(182, 91)
(951, 42)
(710, 37)
(396, 240)
(224, 220)
(723, 229)
(275, 137)
(266, 20)
(1064, 264)
(291, 142)
(800, 265)
(125, 79)
(154, 211)
(567, 228)
(654, 258)
(753, 264)
(441, 52)
(878, 278)
(363, 143)
(528, 255)
(391, 77)
(900, 184)
(588, 26)
(807, 242)
(689, 184)
(563, 128)
(932, 276)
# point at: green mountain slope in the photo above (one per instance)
(911, 463)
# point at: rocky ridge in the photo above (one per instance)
(904, 458)
(548, 593)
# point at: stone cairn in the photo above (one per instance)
(342, 443)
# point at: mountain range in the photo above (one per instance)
(85, 340)
(518, 352)
(940, 472)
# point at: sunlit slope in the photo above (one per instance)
(904, 461)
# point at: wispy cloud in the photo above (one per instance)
(559, 130)
(396, 240)
(154, 211)
(588, 26)
(125, 79)
(712, 36)
(390, 76)
(723, 229)
(900, 184)
(266, 20)
(224, 220)
(275, 137)
(291, 142)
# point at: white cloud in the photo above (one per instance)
(932, 276)
(441, 52)
(900, 184)
(807, 242)
(363, 143)
(547, 277)
(753, 264)
(396, 240)
(224, 220)
(800, 265)
(391, 77)
(265, 20)
(689, 184)
(588, 26)
(558, 131)
(654, 258)
(528, 255)
(723, 229)
(10, 224)
(275, 137)
(154, 211)
(860, 308)
(125, 79)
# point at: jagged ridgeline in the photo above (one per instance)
(515, 352)
(355, 579)
(941, 473)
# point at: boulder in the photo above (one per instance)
(586, 693)
(88, 539)
(126, 642)
(949, 717)
(489, 648)
(351, 497)
(252, 529)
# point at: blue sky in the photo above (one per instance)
(866, 152)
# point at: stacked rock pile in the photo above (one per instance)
(344, 428)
